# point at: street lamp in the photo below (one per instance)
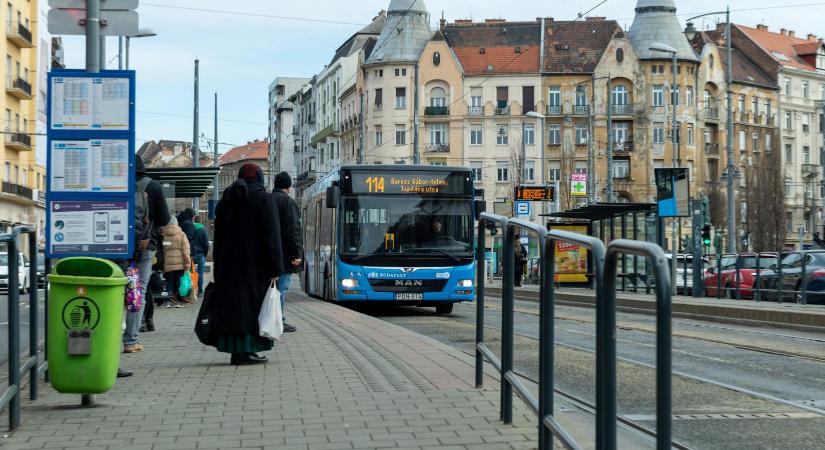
(143, 32)
(664, 48)
(690, 33)
(541, 118)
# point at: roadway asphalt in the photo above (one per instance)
(24, 324)
(734, 386)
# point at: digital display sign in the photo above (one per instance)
(535, 193)
(409, 182)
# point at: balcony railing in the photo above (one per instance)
(306, 177)
(437, 148)
(712, 149)
(503, 111)
(476, 110)
(18, 190)
(19, 34)
(581, 110)
(18, 87)
(810, 170)
(744, 117)
(527, 109)
(623, 147)
(437, 111)
(622, 110)
(712, 113)
(553, 110)
(20, 141)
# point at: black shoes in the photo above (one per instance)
(289, 328)
(148, 326)
(123, 373)
(246, 359)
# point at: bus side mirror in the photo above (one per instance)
(332, 197)
(480, 206)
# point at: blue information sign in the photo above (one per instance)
(90, 164)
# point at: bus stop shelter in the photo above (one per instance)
(609, 221)
(184, 182)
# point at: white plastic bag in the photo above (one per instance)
(271, 318)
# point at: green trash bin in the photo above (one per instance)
(85, 315)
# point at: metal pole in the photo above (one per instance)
(507, 283)
(675, 163)
(609, 138)
(102, 52)
(362, 142)
(543, 168)
(480, 285)
(120, 53)
(216, 185)
(522, 158)
(591, 170)
(14, 334)
(196, 132)
(731, 196)
(92, 35)
(416, 149)
(127, 51)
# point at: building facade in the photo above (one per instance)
(281, 121)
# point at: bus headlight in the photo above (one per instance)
(465, 283)
(349, 283)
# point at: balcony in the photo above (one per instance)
(769, 120)
(19, 141)
(437, 111)
(712, 149)
(581, 110)
(306, 178)
(744, 117)
(437, 148)
(622, 110)
(623, 147)
(18, 88)
(18, 190)
(712, 113)
(527, 109)
(810, 170)
(503, 111)
(476, 111)
(553, 110)
(19, 35)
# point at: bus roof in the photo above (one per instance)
(406, 167)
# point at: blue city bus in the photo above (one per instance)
(401, 234)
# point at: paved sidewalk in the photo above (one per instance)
(344, 380)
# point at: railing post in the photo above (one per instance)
(547, 313)
(737, 277)
(14, 334)
(507, 284)
(718, 274)
(47, 269)
(804, 280)
(33, 314)
(663, 365)
(780, 284)
(481, 262)
(755, 288)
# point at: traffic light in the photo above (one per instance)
(706, 235)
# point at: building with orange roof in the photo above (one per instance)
(797, 65)
(256, 152)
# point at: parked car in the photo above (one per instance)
(684, 277)
(746, 278)
(792, 278)
(22, 272)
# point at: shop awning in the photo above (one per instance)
(185, 182)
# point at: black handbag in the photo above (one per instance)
(203, 328)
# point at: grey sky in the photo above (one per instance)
(241, 54)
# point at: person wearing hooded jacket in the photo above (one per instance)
(200, 249)
(176, 257)
(293, 249)
(247, 261)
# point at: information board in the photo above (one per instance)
(88, 227)
(90, 164)
(410, 182)
(673, 192)
(96, 165)
(90, 103)
(535, 193)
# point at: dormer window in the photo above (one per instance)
(518, 50)
(482, 51)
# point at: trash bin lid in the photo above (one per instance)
(90, 271)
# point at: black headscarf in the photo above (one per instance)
(251, 173)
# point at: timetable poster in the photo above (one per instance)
(96, 165)
(81, 103)
(97, 227)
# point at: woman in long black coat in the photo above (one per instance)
(247, 255)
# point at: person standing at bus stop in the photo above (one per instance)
(520, 260)
(293, 250)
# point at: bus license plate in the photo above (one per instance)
(408, 296)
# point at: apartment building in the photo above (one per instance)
(23, 179)
(281, 122)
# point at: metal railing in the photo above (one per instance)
(581, 110)
(15, 82)
(476, 110)
(553, 110)
(437, 111)
(12, 396)
(437, 148)
(604, 273)
(16, 189)
(622, 110)
(20, 30)
(712, 113)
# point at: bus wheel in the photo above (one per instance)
(446, 308)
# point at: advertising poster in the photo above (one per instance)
(571, 259)
(83, 227)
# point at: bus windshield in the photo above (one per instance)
(432, 227)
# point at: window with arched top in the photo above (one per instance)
(620, 95)
(438, 97)
(436, 58)
(619, 55)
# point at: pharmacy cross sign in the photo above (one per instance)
(578, 184)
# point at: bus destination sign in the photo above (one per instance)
(535, 193)
(404, 182)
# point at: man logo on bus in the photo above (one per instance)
(409, 283)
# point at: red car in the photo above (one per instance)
(747, 274)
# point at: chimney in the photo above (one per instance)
(791, 33)
(762, 27)
(783, 32)
(811, 37)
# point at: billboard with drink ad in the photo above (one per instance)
(571, 259)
